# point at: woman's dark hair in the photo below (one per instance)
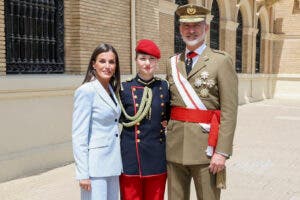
(90, 73)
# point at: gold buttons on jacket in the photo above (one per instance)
(136, 105)
(162, 104)
(133, 89)
(138, 140)
(138, 132)
(161, 96)
(135, 96)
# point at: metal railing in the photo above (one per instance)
(34, 36)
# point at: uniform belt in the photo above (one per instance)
(211, 117)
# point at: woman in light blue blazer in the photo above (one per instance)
(95, 134)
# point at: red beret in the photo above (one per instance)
(148, 47)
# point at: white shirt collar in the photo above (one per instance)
(199, 50)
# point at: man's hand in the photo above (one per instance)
(164, 123)
(85, 184)
(217, 163)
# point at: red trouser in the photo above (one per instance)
(142, 188)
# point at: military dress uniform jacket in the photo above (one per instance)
(143, 145)
(186, 142)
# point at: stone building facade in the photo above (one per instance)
(262, 36)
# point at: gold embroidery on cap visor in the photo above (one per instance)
(193, 18)
(191, 11)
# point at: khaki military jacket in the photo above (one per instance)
(186, 142)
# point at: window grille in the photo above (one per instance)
(34, 35)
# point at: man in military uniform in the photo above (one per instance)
(204, 100)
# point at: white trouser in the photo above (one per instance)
(106, 188)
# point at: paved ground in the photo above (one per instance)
(265, 164)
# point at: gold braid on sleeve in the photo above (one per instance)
(142, 111)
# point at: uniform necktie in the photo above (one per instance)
(189, 61)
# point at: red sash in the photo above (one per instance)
(211, 117)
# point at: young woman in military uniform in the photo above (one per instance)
(145, 101)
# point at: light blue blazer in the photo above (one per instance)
(95, 133)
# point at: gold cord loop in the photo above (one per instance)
(142, 111)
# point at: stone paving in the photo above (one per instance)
(265, 164)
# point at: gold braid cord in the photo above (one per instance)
(142, 111)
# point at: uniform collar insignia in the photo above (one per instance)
(140, 80)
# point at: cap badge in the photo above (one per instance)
(191, 10)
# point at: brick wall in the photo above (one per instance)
(290, 23)
(89, 23)
(288, 48)
(72, 37)
(2, 39)
(289, 62)
(166, 39)
(147, 20)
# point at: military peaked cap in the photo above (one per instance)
(192, 13)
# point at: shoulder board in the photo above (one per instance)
(162, 79)
(158, 78)
(168, 84)
(129, 79)
(124, 83)
(219, 51)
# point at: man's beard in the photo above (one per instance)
(194, 42)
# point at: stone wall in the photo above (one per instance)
(287, 45)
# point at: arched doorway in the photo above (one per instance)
(214, 26)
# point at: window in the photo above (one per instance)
(34, 36)
(179, 44)
(258, 43)
(239, 43)
(214, 26)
